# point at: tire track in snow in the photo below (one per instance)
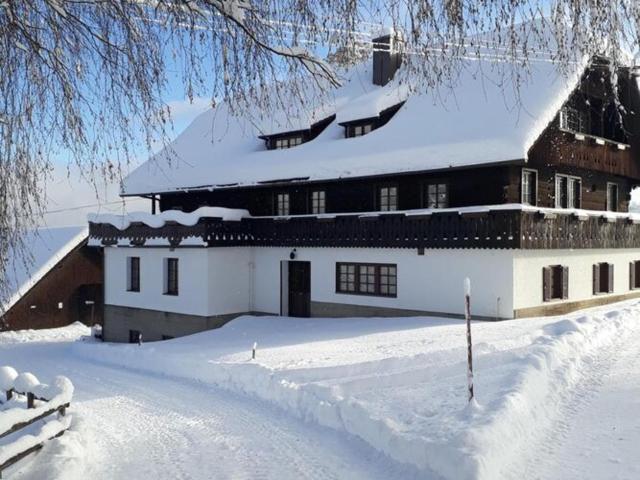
(145, 426)
(595, 368)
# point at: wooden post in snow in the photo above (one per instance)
(467, 316)
(253, 350)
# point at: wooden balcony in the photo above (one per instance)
(499, 227)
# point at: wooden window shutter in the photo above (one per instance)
(610, 268)
(632, 275)
(596, 278)
(546, 284)
(565, 283)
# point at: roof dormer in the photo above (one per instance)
(362, 126)
(284, 140)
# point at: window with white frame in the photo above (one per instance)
(437, 195)
(529, 187)
(388, 198)
(573, 120)
(318, 202)
(612, 197)
(282, 204)
(568, 191)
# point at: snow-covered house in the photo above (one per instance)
(381, 202)
(57, 282)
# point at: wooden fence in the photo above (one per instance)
(28, 402)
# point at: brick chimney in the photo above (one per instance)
(386, 57)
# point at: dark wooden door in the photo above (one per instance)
(299, 289)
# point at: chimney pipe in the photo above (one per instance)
(386, 57)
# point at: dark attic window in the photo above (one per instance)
(287, 142)
(283, 140)
(358, 128)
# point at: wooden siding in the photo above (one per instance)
(76, 278)
(468, 187)
(555, 151)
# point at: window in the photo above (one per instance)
(634, 275)
(437, 195)
(612, 197)
(287, 142)
(133, 274)
(555, 283)
(568, 191)
(346, 277)
(318, 202)
(171, 276)
(359, 130)
(367, 279)
(282, 204)
(529, 187)
(388, 198)
(602, 278)
(573, 120)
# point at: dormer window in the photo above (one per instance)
(360, 130)
(573, 120)
(362, 126)
(287, 142)
(293, 138)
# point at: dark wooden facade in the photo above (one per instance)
(608, 150)
(60, 297)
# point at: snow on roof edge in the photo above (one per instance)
(39, 274)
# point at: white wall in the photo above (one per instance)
(216, 281)
(433, 282)
(528, 266)
(230, 280)
(192, 277)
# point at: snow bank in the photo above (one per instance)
(71, 332)
(159, 220)
(398, 384)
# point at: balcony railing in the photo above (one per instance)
(488, 228)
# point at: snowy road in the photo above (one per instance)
(174, 429)
(599, 434)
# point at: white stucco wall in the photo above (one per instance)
(215, 281)
(528, 266)
(433, 282)
(211, 281)
(193, 280)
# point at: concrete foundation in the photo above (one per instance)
(155, 325)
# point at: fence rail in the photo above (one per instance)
(41, 401)
(492, 229)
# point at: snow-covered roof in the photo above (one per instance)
(482, 118)
(47, 246)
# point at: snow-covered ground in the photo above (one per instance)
(350, 398)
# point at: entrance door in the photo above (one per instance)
(299, 289)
